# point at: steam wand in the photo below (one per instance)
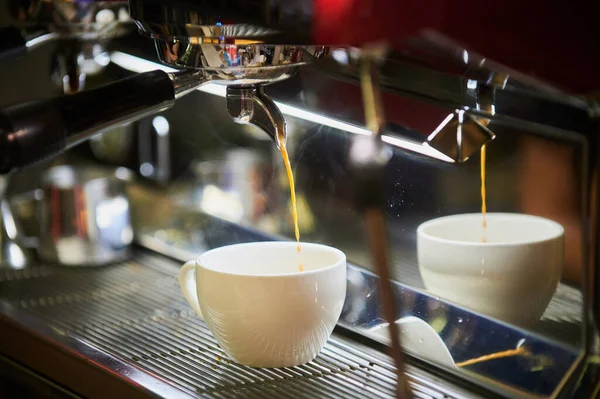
(368, 158)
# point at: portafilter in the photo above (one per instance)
(233, 56)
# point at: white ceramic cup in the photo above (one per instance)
(264, 311)
(511, 277)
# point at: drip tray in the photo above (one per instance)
(130, 323)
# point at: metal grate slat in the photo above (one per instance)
(135, 312)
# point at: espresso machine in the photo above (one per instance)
(485, 78)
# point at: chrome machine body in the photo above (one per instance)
(385, 106)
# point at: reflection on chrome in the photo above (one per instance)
(485, 347)
(139, 65)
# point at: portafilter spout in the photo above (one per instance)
(463, 133)
(460, 135)
(250, 105)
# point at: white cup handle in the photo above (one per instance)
(187, 282)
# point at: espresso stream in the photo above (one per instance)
(483, 195)
(288, 168)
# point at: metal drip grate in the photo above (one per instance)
(135, 312)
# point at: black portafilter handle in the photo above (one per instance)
(36, 130)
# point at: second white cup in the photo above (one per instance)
(262, 310)
(511, 277)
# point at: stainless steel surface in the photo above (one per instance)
(14, 254)
(578, 138)
(459, 136)
(416, 190)
(428, 95)
(244, 69)
(211, 50)
(192, 20)
(83, 215)
(444, 37)
(250, 105)
(88, 21)
(254, 63)
(467, 335)
(216, 60)
(186, 81)
(84, 28)
(48, 346)
(154, 149)
(132, 320)
(404, 80)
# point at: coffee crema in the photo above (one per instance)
(288, 168)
